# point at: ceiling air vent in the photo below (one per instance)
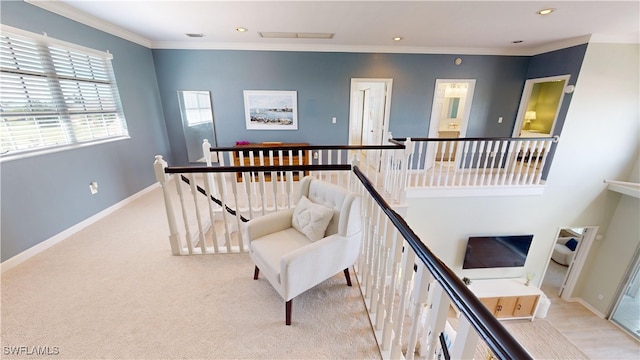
(194, 35)
(295, 35)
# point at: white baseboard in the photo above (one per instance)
(589, 307)
(44, 245)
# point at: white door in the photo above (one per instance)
(452, 100)
(369, 116)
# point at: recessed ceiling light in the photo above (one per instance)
(517, 41)
(194, 35)
(546, 11)
(397, 38)
(241, 29)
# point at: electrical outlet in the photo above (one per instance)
(333, 119)
(500, 120)
(93, 186)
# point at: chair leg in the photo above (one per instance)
(287, 306)
(346, 275)
(255, 273)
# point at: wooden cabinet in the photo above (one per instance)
(507, 298)
(271, 155)
(512, 306)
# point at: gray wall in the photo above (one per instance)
(323, 81)
(46, 194)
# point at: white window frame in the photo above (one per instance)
(68, 93)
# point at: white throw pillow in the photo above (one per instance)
(311, 219)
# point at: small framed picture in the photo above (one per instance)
(271, 110)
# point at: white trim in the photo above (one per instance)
(623, 187)
(588, 306)
(50, 150)
(558, 45)
(60, 8)
(46, 244)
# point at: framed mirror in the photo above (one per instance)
(197, 122)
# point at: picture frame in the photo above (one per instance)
(271, 110)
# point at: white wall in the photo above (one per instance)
(599, 141)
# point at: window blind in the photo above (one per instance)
(54, 94)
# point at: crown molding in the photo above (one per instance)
(177, 45)
(67, 11)
(561, 44)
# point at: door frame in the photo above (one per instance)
(436, 110)
(574, 269)
(355, 123)
(526, 95)
(436, 107)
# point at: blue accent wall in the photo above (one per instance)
(323, 82)
(46, 194)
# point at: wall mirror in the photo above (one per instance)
(197, 122)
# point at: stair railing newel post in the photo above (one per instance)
(174, 240)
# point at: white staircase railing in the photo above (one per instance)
(409, 294)
(477, 162)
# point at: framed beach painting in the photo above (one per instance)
(271, 110)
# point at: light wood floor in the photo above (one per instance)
(597, 338)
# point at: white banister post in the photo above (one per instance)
(355, 161)
(174, 238)
(206, 151)
(408, 150)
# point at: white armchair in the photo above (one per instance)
(297, 249)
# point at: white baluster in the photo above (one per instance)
(419, 163)
(421, 286)
(185, 218)
(438, 310)
(221, 180)
(212, 217)
(464, 345)
(406, 276)
(194, 194)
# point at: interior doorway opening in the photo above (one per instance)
(369, 107)
(452, 100)
(539, 106)
(567, 259)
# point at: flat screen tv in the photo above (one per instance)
(496, 251)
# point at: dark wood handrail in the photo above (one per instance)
(237, 169)
(307, 147)
(214, 199)
(499, 340)
(555, 139)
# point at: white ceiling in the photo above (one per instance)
(466, 27)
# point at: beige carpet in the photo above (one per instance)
(114, 291)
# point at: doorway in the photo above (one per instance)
(539, 106)
(567, 259)
(369, 107)
(452, 100)
(626, 313)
